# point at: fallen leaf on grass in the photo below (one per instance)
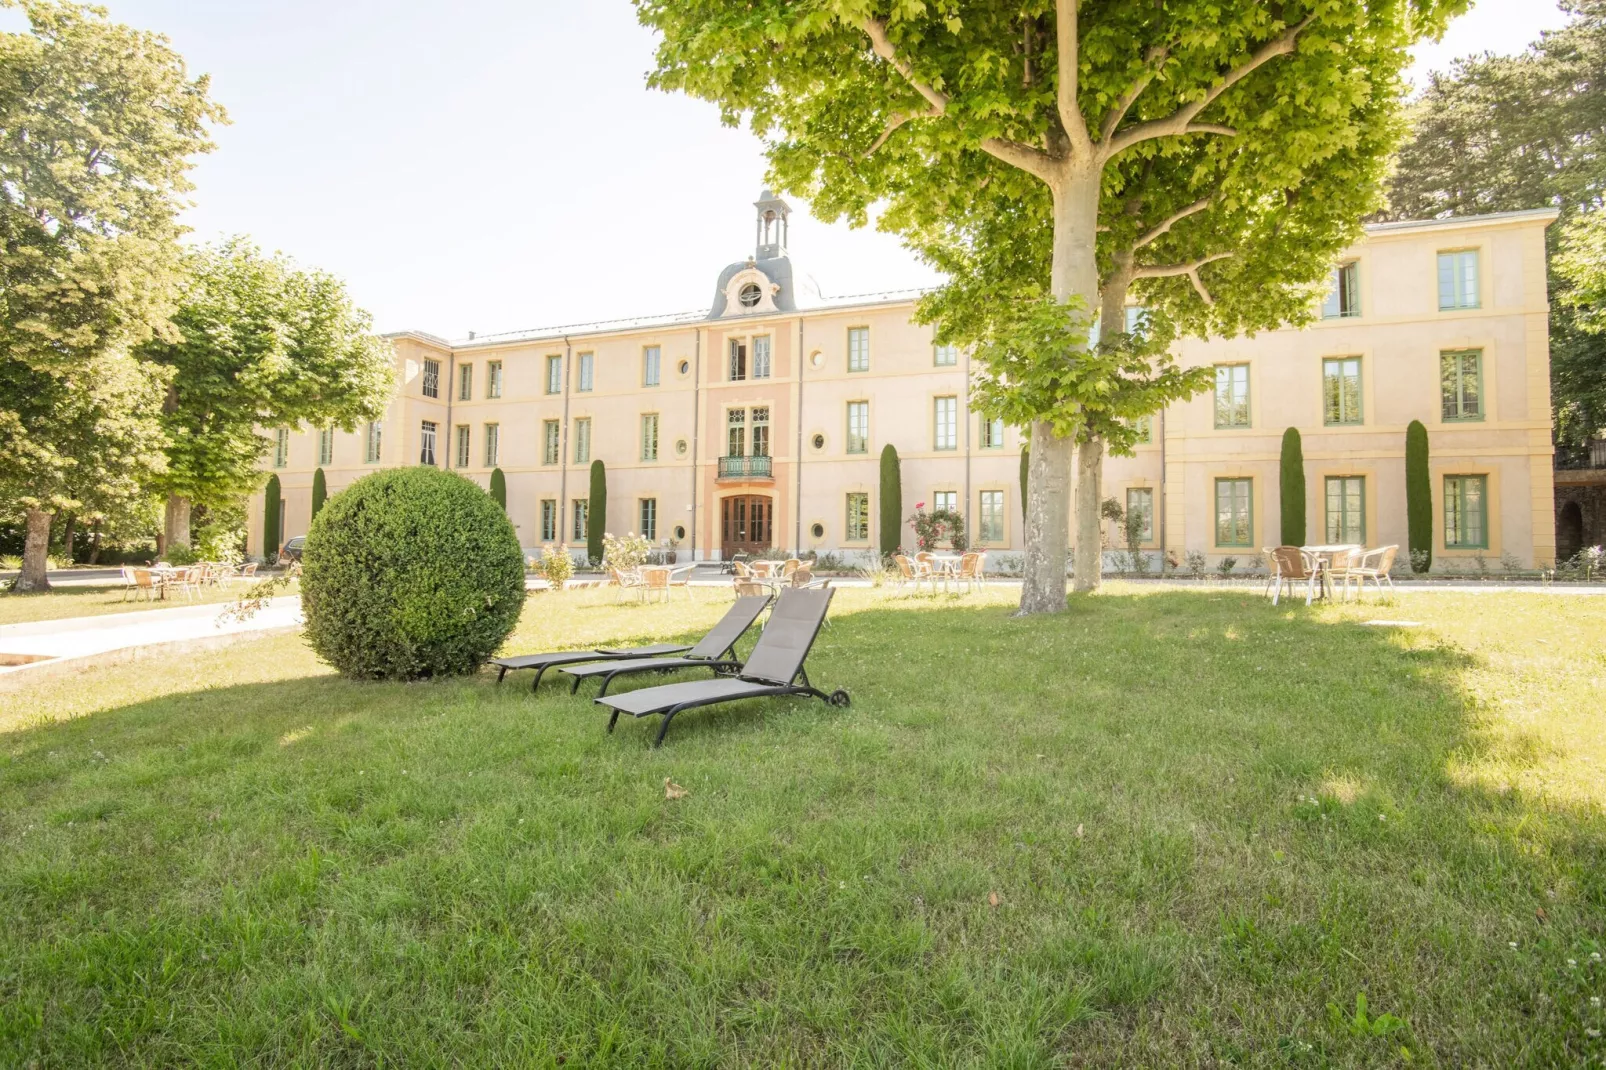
(1539, 912)
(992, 899)
(1078, 831)
(673, 790)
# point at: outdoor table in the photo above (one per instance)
(763, 569)
(1321, 561)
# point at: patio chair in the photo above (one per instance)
(910, 572)
(800, 577)
(149, 582)
(1371, 565)
(655, 582)
(681, 577)
(129, 586)
(627, 580)
(542, 662)
(1289, 565)
(248, 571)
(789, 566)
(187, 580)
(749, 589)
(772, 670)
(969, 574)
(711, 652)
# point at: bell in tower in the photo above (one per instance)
(771, 226)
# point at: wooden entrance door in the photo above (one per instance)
(745, 524)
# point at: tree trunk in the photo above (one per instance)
(1048, 473)
(1090, 454)
(35, 553)
(1089, 524)
(68, 534)
(94, 545)
(176, 522)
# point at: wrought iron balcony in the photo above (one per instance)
(1590, 455)
(745, 468)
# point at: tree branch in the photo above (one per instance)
(1165, 224)
(1191, 269)
(1028, 158)
(1069, 55)
(1210, 128)
(1153, 60)
(1181, 120)
(893, 124)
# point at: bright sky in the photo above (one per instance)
(497, 165)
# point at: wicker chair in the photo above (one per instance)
(655, 582)
(627, 580)
(912, 572)
(1371, 565)
(969, 575)
(1289, 565)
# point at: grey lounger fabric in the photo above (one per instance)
(542, 662)
(711, 652)
(773, 669)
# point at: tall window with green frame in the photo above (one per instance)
(1458, 279)
(1235, 524)
(1346, 509)
(1461, 384)
(858, 349)
(858, 519)
(858, 427)
(1466, 512)
(1341, 391)
(1232, 395)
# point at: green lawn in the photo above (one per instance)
(62, 601)
(1168, 827)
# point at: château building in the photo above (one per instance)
(759, 423)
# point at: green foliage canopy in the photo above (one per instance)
(260, 343)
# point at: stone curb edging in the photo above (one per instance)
(24, 676)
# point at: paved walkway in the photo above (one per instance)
(40, 642)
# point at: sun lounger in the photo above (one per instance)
(711, 653)
(774, 669)
(542, 662)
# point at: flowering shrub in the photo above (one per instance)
(931, 528)
(556, 565)
(626, 552)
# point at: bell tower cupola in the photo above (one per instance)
(770, 227)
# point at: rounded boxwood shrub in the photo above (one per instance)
(410, 573)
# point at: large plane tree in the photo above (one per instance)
(988, 130)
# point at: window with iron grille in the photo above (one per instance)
(432, 379)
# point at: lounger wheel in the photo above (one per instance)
(839, 697)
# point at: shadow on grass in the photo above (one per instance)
(1160, 827)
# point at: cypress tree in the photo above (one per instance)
(320, 491)
(1418, 498)
(597, 515)
(499, 488)
(1292, 489)
(891, 500)
(270, 519)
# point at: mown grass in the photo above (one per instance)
(63, 601)
(1164, 828)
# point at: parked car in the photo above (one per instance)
(291, 552)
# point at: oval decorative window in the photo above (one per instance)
(818, 531)
(685, 366)
(680, 446)
(817, 359)
(750, 295)
(819, 442)
(680, 532)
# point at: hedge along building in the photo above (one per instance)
(759, 424)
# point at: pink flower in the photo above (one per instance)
(920, 505)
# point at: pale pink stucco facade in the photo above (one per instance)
(1397, 331)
